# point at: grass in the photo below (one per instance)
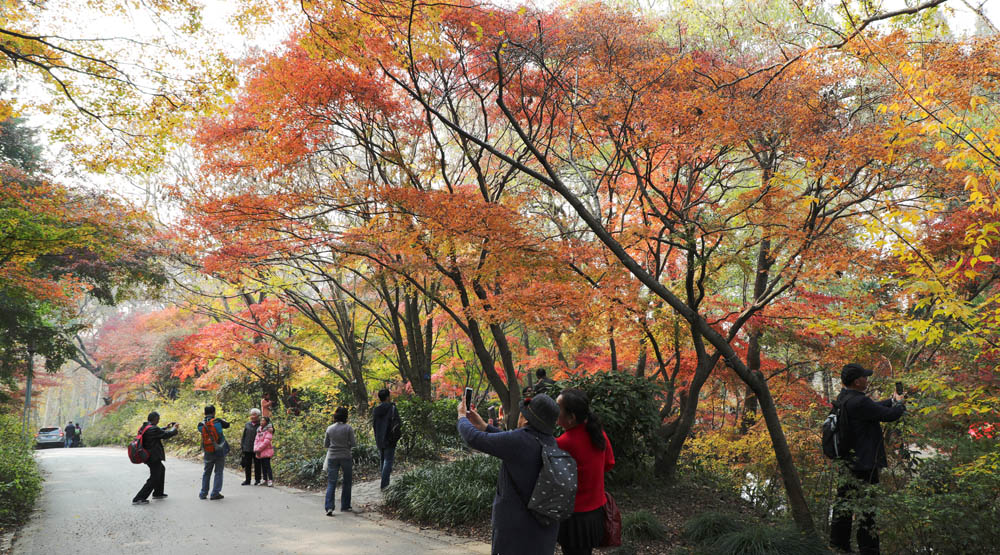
(721, 533)
(709, 525)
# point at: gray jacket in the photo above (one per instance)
(339, 440)
(515, 530)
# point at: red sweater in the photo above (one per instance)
(591, 464)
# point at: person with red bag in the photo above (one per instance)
(586, 441)
(151, 439)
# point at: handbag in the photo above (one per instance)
(612, 523)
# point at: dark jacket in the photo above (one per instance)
(863, 426)
(381, 421)
(249, 435)
(515, 530)
(546, 386)
(152, 441)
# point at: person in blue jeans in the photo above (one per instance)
(70, 433)
(386, 424)
(215, 447)
(338, 441)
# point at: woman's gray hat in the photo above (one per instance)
(541, 412)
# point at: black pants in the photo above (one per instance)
(840, 528)
(265, 467)
(250, 461)
(154, 484)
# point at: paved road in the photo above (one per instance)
(86, 507)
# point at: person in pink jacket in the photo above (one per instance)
(264, 450)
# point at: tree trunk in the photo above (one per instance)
(783, 454)
(666, 463)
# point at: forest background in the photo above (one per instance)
(698, 212)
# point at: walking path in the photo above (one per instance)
(85, 507)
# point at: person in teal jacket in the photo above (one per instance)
(215, 461)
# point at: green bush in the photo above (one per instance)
(20, 481)
(642, 526)
(428, 427)
(450, 494)
(629, 410)
(935, 511)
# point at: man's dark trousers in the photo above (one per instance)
(840, 528)
(154, 484)
(250, 461)
(386, 457)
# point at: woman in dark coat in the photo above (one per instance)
(515, 530)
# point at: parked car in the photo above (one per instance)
(49, 437)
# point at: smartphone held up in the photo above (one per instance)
(468, 398)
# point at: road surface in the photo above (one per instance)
(86, 507)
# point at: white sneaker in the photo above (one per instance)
(270, 483)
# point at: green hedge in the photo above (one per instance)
(20, 481)
(628, 407)
(429, 427)
(450, 494)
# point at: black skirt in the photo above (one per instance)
(582, 530)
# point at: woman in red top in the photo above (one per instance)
(586, 441)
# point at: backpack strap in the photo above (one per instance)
(141, 440)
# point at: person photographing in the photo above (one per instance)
(152, 441)
(866, 455)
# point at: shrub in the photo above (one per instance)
(299, 451)
(428, 427)
(20, 481)
(450, 494)
(629, 410)
(936, 511)
(642, 526)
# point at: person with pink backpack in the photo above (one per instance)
(263, 449)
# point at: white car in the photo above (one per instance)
(49, 437)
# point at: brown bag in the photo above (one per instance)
(612, 523)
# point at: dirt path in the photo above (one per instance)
(86, 507)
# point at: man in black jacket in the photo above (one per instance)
(862, 416)
(152, 441)
(387, 424)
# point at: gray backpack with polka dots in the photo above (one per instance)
(554, 495)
